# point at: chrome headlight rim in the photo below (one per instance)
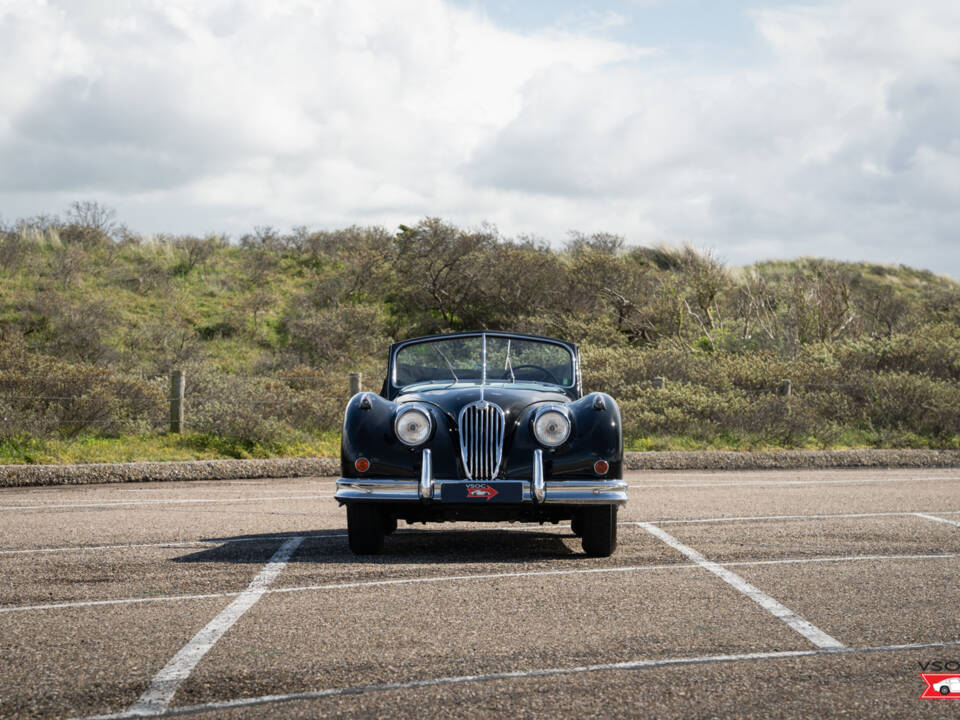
(405, 409)
(563, 412)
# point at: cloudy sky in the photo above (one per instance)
(755, 128)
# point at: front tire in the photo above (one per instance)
(599, 530)
(944, 690)
(576, 524)
(389, 523)
(364, 528)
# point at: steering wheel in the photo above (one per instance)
(549, 375)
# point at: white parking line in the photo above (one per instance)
(262, 538)
(158, 695)
(776, 483)
(521, 674)
(123, 601)
(810, 631)
(343, 586)
(512, 526)
(937, 519)
(87, 548)
(819, 516)
(171, 544)
(486, 576)
(171, 501)
(600, 571)
(840, 558)
(185, 501)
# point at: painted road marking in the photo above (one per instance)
(747, 483)
(170, 544)
(810, 631)
(184, 501)
(171, 501)
(486, 576)
(156, 698)
(520, 674)
(86, 548)
(776, 483)
(262, 538)
(937, 519)
(518, 526)
(820, 516)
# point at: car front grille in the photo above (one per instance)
(481, 439)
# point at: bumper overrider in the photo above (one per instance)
(536, 490)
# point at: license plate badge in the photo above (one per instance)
(482, 492)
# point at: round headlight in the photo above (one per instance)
(412, 426)
(551, 427)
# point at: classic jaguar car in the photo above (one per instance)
(482, 426)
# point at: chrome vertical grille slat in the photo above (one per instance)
(484, 446)
(481, 443)
(481, 439)
(474, 434)
(485, 455)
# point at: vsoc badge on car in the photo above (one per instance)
(482, 426)
(505, 492)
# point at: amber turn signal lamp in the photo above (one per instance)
(362, 464)
(600, 467)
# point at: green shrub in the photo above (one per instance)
(41, 396)
(268, 330)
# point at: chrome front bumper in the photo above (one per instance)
(536, 489)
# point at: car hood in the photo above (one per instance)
(512, 399)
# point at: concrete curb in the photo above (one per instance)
(33, 475)
(27, 475)
(791, 459)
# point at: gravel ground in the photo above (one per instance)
(34, 475)
(106, 585)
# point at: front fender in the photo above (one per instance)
(597, 434)
(368, 432)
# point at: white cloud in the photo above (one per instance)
(190, 115)
(845, 142)
(296, 110)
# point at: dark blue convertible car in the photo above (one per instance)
(482, 426)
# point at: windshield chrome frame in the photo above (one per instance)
(483, 364)
(576, 388)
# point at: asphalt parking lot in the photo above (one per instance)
(748, 594)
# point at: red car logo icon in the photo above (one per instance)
(941, 685)
(480, 492)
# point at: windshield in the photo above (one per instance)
(460, 359)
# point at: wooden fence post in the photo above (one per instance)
(659, 383)
(177, 385)
(356, 383)
(785, 389)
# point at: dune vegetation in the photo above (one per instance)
(267, 327)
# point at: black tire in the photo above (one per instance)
(599, 530)
(389, 524)
(944, 690)
(364, 528)
(576, 524)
